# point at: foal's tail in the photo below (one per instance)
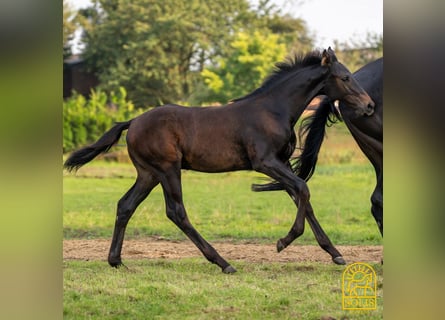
(86, 154)
(314, 127)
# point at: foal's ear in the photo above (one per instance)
(328, 57)
(332, 55)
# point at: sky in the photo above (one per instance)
(342, 20)
(327, 20)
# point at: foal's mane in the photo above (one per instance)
(284, 68)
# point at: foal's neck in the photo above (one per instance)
(303, 88)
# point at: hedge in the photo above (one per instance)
(85, 120)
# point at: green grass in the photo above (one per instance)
(221, 206)
(194, 289)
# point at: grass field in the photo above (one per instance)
(194, 289)
(222, 208)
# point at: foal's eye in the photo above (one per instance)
(345, 79)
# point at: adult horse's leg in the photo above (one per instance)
(145, 182)
(377, 203)
(171, 184)
(299, 192)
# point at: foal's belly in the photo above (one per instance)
(216, 158)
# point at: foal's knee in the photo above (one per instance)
(303, 191)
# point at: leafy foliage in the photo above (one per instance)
(84, 121)
(252, 58)
(69, 27)
(157, 49)
(151, 47)
(356, 54)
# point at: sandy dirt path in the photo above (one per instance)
(152, 248)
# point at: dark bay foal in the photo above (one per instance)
(255, 132)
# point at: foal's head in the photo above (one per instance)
(341, 85)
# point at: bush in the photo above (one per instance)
(84, 121)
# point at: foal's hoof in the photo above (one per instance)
(115, 263)
(339, 260)
(280, 246)
(229, 269)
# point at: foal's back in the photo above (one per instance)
(208, 139)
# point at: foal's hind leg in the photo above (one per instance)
(171, 184)
(145, 182)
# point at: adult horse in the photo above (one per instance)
(366, 130)
(251, 133)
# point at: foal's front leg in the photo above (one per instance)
(322, 239)
(299, 192)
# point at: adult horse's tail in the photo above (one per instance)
(86, 154)
(314, 127)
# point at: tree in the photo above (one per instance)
(292, 31)
(355, 54)
(152, 47)
(252, 55)
(69, 27)
(157, 49)
(251, 59)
